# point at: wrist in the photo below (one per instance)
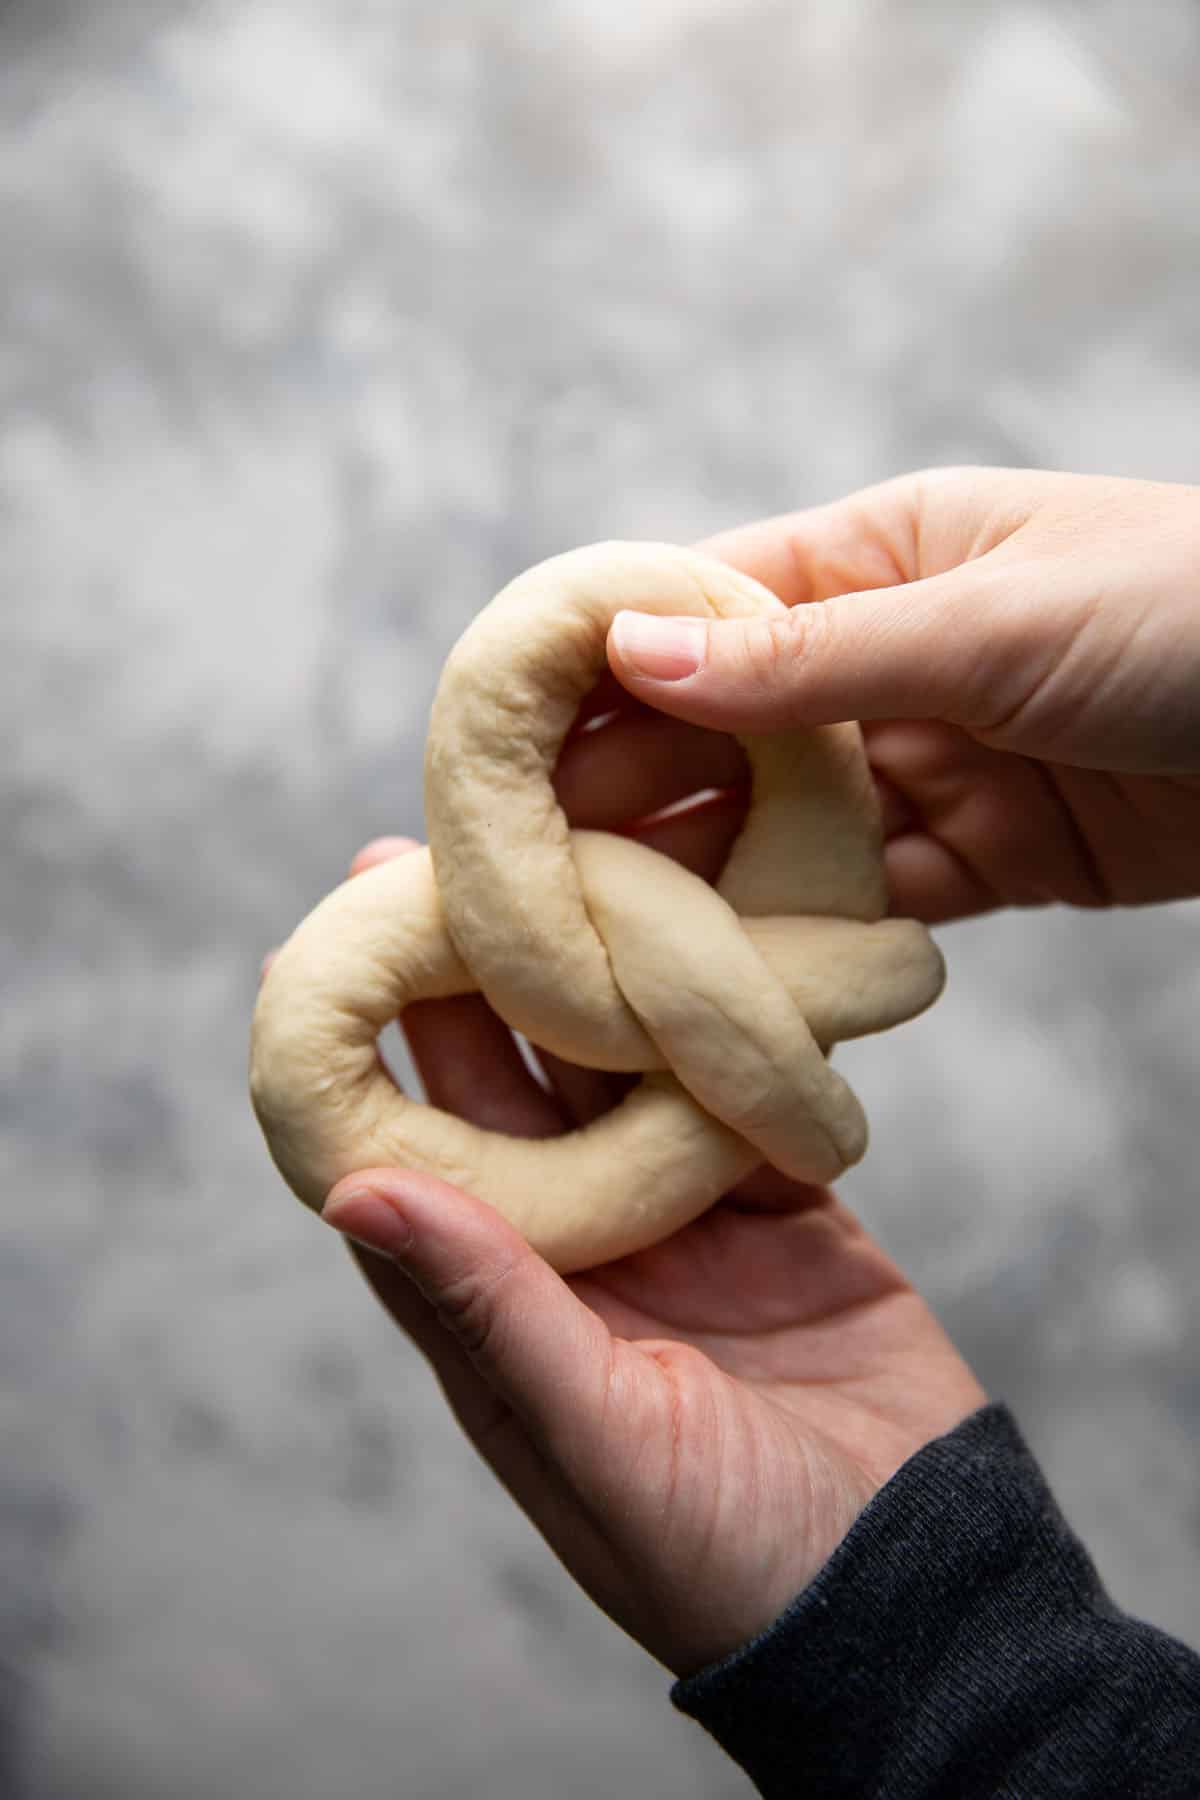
(791, 1525)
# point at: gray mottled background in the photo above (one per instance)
(316, 324)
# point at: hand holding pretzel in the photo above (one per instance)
(694, 1427)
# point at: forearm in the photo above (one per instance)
(958, 1643)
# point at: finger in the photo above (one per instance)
(864, 540)
(542, 1352)
(498, 1431)
(381, 850)
(988, 826)
(470, 1065)
(897, 812)
(582, 1094)
(477, 1408)
(627, 776)
(603, 701)
(927, 880)
(406, 1304)
(952, 647)
(487, 1420)
(898, 607)
(699, 834)
(768, 1190)
(637, 765)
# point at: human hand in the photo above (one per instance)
(694, 1428)
(1024, 648)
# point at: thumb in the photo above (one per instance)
(539, 1349)
(934, 649)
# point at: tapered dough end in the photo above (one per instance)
(851, 980)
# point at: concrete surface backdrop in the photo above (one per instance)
(316, 324)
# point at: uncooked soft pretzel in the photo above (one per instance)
(596, 947)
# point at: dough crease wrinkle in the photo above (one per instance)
(597, 948)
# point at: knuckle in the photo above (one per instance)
(680, 1364)
(769, 648)
(471, 1306)
(948, 474)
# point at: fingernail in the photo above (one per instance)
(661, 649)
(369, 1220)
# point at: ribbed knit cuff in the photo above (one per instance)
(958, 1642)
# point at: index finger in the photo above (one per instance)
(866, 540)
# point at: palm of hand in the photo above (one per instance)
(775, 1356)
(738, 1394)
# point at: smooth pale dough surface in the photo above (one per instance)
(596, 947)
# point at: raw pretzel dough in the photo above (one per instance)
(596, 947)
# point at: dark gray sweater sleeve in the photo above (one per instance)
(958, 1644)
